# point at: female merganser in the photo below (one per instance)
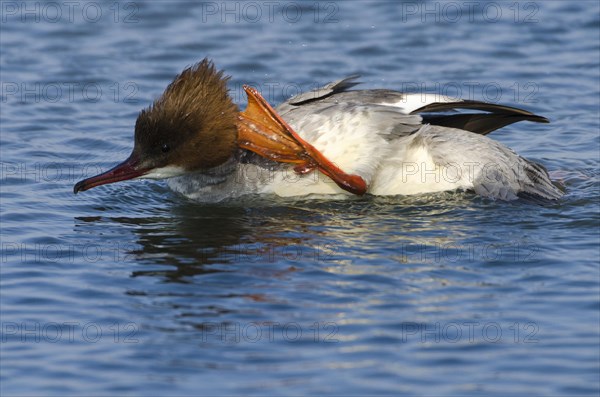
(337, 140)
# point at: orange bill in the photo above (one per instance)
(262, 131)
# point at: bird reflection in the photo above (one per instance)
(189, 239)
(213, 261)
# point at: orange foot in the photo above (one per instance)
(262, 131)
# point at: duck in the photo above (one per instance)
(333, 141)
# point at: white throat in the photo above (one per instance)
(169, 171)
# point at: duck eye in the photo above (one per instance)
(165, 148)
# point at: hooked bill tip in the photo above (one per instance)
(78, 187)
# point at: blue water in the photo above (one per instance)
(133, 289)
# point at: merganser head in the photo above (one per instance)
(191, 127)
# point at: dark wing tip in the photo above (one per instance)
(497, 116)
(540, 119)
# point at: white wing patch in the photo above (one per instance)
(411, 102)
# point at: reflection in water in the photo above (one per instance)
(179, 244)
(270, 259)
(188, 239)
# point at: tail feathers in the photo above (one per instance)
(530, 180)
(538, 183)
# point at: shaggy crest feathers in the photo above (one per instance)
(194, 114)
(195, 91)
